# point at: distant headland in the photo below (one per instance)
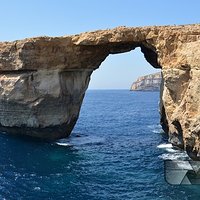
(149, 82)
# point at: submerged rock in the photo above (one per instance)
(149, 82)
(43, 80)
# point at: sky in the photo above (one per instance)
(26, 18)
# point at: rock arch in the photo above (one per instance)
(43, 80)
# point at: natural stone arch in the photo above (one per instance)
(43, 80)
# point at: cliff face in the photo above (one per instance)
(43, 80)
(43, 103)
(149, 82)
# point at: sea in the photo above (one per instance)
(115, 152)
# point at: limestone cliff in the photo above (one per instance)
(149, 82)
(43, 79)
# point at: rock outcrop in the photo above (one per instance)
(149, 82)
(43, 80)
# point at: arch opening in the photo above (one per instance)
(120, 112)
(119, 70)
(125, 63)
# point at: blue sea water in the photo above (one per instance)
(112, 154)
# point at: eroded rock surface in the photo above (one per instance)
(43, 80)
(44, 103)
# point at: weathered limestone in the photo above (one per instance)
(44, 103)
(43, 80)
(150, 82)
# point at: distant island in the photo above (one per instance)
(149, 82)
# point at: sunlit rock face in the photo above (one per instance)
(44, 103)
(149, 82)
(43, 79)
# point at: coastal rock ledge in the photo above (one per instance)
(43, 80)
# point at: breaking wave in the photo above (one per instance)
(172, 152)
(165, 146)
(81, 140)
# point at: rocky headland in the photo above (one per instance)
(43, 80)
(149, 82)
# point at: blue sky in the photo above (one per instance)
(25, 18)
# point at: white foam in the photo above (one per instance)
(171, 150)
(156, 131)
(174, 156)
(165, 146)
(63, 144)
(37, 188)
(78, 141)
